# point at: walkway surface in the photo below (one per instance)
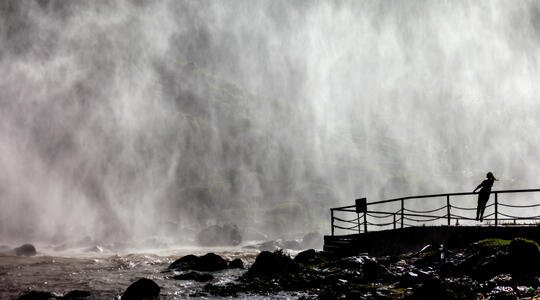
(412, 239)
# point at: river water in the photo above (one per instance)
(107, 274)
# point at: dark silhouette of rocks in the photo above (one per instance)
(208, 263)
(306, 257)
(496, 269)
(25, 250)
(141, 289)
(37, 295)
(524, 255)
(271, 263)
(236, 264)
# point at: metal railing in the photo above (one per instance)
(408, 217)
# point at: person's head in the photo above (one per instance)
(489, 175)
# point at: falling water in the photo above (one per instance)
(124, 120)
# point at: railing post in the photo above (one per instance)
(332, 218)
(358, 219)
(394, 221)
(448, 208)
(402, 211)
(496, 209)
(365, 222)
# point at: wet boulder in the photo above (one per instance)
(523, 255)
(433, 288)
(208, 262)
(196, 276)
(311, 257)
(25, 250)
(272, 263)
(37, 295)
(305, 257)
(226, 235)
(372, 270)
(141, 289)
(236, 264)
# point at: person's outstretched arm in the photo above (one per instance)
(479, 186)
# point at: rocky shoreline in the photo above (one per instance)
(487, 269)
(492, 269)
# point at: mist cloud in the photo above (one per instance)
(123, 119)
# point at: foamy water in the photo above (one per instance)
(106, 274)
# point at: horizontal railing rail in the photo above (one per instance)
(400, 218)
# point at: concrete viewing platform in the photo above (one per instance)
(409, 223)
(412, 239)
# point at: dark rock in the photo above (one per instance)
(351, 262)
(77, 295)
(227, 235)
(374, 271)
(523, 255)
(200, 277)
(432, 289)
(184, 263)
(305, 257)
(312, 240)
(434, 273)
(25, 250)
(208, 262)
(142, 289)
(272, 263)
(37, 295)
(236, 264)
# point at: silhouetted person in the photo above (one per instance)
(483, 195)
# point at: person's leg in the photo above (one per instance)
(482, 212)
(482, 209)
(478, 208)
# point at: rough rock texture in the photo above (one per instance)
(141, 289)
(236, 264)
(208, 263)
(270, 263)
(37, 295)
(306, 257)
(486, 269)
(523, 255)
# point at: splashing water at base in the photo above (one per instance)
(107, 275)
